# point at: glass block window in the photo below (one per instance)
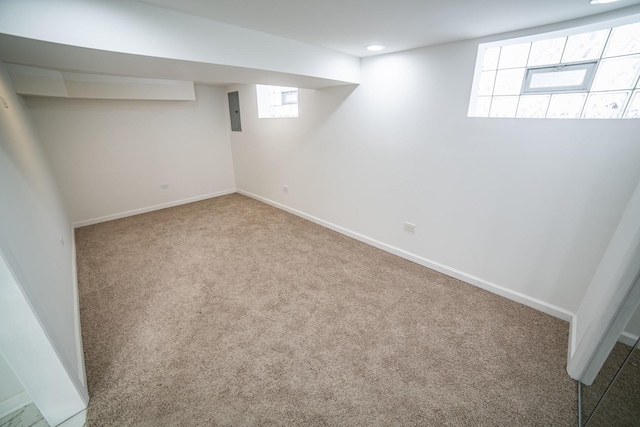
(593, 75)
(277, 101)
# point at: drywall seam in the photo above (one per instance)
(521, 298)
(151, 208)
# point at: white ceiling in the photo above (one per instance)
(348, 25)
(220, 42)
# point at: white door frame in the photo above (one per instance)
(611, 300)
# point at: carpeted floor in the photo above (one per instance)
(231, 312)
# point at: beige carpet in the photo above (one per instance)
(231, 312)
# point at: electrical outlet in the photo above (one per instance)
(410, 227)
(164, 186)
(285, 188)
(4, 102)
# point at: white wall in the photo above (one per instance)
(36, 243)
(523, 207)
(110, 157)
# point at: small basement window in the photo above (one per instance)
(589, 74)
(559, 78)
(277, 101)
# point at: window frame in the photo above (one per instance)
(590, 68)
(274, 102)
(286, 97)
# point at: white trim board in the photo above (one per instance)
(151, 208)
(573, 325)
(521, 298)
(584, 368)
(14, 403)
(628, 339)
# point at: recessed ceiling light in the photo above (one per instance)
(603, 1)
(374, 47)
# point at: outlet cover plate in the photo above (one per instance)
(410, 227)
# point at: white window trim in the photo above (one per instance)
(285, 97)
(590, 68)
(265, 106)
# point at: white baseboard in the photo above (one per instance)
(573, 328)
(628, 339)
(78, 420)
(521, 298)
(14, 403)
(151, 208)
